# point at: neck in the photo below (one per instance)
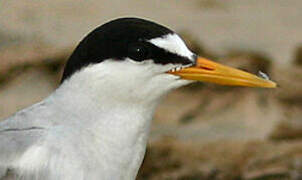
(120, 127)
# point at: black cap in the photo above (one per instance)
(119, 39)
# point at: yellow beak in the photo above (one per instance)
(209, 71)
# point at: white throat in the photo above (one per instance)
(115, 102)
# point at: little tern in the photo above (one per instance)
(96, 124)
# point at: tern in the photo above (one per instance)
(96, 124)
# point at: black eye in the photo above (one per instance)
(138, 52)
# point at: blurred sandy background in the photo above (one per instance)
(202, 131)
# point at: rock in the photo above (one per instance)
(249, 61)
(290, 128)
(275, 161)
(289, 79)
(208, 115)
(298, 56)
(168, 158)
(30, 54)
(26, 85)
(289, 95)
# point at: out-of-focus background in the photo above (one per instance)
(201, 131)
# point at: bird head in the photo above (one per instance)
(136, 59)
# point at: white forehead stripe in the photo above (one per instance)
(172, 43)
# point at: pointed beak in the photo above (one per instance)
(209, 71)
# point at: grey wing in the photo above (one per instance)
(14, 142)
(3, 172)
